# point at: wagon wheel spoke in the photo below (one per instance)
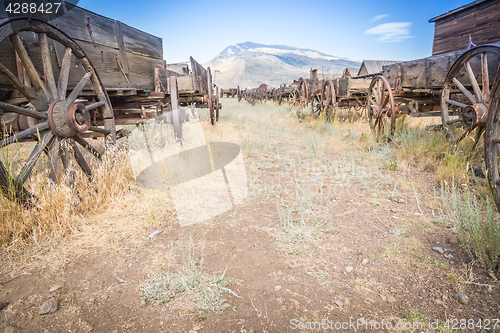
(79, 87)
(45, 140)
(53, 156)
(473, 81)
(24, 134)
(23, 111)
(80, 159)
(23, 89)
(486, 77)
(82, 142)
(62, 83)
(47, 66)
(33, 74)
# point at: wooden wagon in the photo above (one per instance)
(67, 84)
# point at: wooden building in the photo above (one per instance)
(480, 20)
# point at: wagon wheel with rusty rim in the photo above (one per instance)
(381, 109)
(294, 98)
(303, 89)
(45, 112)
(466, 97)
(330, 100)
(317, 103)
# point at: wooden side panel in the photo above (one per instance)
(142, 43)
(482, 25)
(185, 83)
(77, 22)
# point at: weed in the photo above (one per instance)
(414, 316)
(206, 291)
(476, 221)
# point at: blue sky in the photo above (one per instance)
(355, 29)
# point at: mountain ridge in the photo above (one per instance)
(250, 64)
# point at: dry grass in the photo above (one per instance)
(58, 208)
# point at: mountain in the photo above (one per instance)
(248, 65)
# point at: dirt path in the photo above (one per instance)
(335, 235)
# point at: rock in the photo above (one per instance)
(453, 239)
(338, 303)
(104, 296)
(193, 331)
(50, 306)
(396, 198)
(364, 262)
(10, 329)
(461, 298)
(54, 288)
(383, 298)
(349, 269)
(3, 305)
(438, 249)
(277, 288)
(424, 293)
(439, 302)
(391, 299)
(143, 303)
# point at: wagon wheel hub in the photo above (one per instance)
(67, 119)
(476, 114)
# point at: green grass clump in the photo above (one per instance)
(477, 223)
(207, 291)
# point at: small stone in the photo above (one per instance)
(104, 296)
(453, 239)
(3, 305)
(364, 262)
(338, 303)
(143, 303)
(277, 288)
(193, 331)
(461, 298)
(424, 293)
(349, 269)
(10, 329)
(383, 298)
(50, 306)
(398, 296)
(162, 323)
(438, 249)
(54, 288)
(396, 198)
(439, 302)
(196, 328)
(391, 299)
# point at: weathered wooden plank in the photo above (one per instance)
(121, 46)
(483, 25)
(185, 83)
(142, 43)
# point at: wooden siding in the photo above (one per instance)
(483, 25)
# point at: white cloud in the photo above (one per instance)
(391, 32)
(378, 17)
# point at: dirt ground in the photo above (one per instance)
(335, 234)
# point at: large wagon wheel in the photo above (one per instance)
(317, 103)
(46, 112)
(294, 98)
(466, 98)
(330, 99)
(381, 109)
(303, 89)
